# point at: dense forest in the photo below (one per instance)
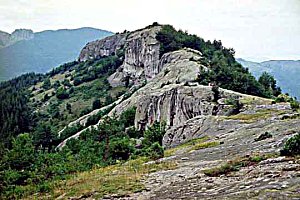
(34, 107)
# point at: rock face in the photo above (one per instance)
(171, 95)
(104, 47)
(7, 39)
(4, 39)
(141, 55)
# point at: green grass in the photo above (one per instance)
(118, 179)
(204, 145)
(260, 114)
(194, 144)
(235, 165)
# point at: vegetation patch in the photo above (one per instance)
(223, 71)
(292, 146)
(186, 145)
(205, 145)
(258, 115)
(234, 165)
(118, 179)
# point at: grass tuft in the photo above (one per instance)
(234, 165)
(188, 144)
(204, 145)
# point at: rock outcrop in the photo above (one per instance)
(171, 93)
(141, 55)
(173, 96)
(100, 48)
(7, 39)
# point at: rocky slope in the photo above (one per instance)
(273, 178)
(168, 92)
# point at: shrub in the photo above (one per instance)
(96, 104)
(77, 81)
(155, 151)
(62, 93)
(292, 146)
(154, 134)
(295, 105)
(132, 132)
(121, 149)
(128, 116)
(46, 84)
(236, 105)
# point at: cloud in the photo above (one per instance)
(258, 29)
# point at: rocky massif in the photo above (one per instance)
(7, 39)
(168, 92)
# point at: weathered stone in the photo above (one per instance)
(105, 47)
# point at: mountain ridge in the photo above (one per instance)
(284, 71)
(46, 50)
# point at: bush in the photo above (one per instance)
(132, 132)
(292, 146)
(294, 105)
(62, 93)
(128, 116)
(155, 133)
(46, 84)
(121, 149)
(77, 81)
(155, 151)
(236, 105)
(96, 104)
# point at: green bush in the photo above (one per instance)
(46, 84)
(154, 133)
(292, 146)
(121, 148)
(96, 104)
(155, 151)
(236, 105)
(132, 132)
(61, 93)
(128, 116)
(295, 105)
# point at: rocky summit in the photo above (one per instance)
(158, 113)
(7, 39)
(167, 91)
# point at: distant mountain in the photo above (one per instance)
(23, 52)
(7, 39)
(286, 72)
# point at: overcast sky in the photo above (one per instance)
(257, 29)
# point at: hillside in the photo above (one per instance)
(154, 113)
(285, 71)
(44, 50)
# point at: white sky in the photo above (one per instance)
(257, 29)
